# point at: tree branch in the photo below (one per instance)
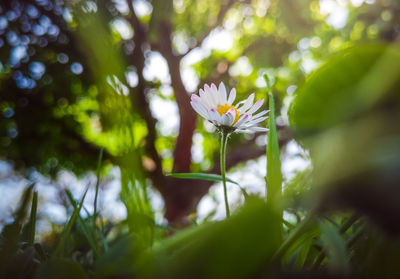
(138, 98)
(182, 152)
(221, 15)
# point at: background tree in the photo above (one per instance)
(72, 83)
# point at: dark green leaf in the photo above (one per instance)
(60, 269)
(237, 247)
(274, 174)
(334, 247)
(347, 84)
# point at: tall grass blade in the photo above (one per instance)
(335, 247)
(294, 235)
(274, 173)
(342, 230)
(60, 247)
(97, 185)
(32, 219)
(86, 231)
(22, 209)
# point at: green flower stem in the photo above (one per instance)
(224, 140)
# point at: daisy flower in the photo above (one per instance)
(216, 106)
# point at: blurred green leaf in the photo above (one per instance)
(349, 83)
(60, 269)
(335, 247)
(117, 261)
(209, 177)
(140, 217)
(239, 247)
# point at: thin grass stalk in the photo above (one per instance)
(59, 250)
(97, 185)
(88, 234)
(32, 219)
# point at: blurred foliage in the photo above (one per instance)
(54, 68)
(66, 93)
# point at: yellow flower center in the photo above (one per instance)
(224, 109)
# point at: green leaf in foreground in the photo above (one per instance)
(274, 174)
(209, 177)
(61, 269)
(349, 83)
(239, 247)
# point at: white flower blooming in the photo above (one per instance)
(214, 105)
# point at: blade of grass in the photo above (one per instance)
(60, 247)
(22, 209)
(346, 225)
(15, 232)
(355, 236)
(88, 234)
(97, 185)
(209, 177)
(32, 219)
(294, 234)
(335, 247)
(274, 174)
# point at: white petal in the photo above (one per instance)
(199, 107)
(208, 94)
(194, 97)
(215, 93)
(260, 113)
(241, 102)
(226, 119)
(222, 92)
(258, 129)
(204, 98)
(247, 104)
(243, 131)
(256, 106)
(252, 122)
(232, 115)
(200, 102)
(199, 110)
(232, 96)
(242, 119)
(257, 118)
(214, 116)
